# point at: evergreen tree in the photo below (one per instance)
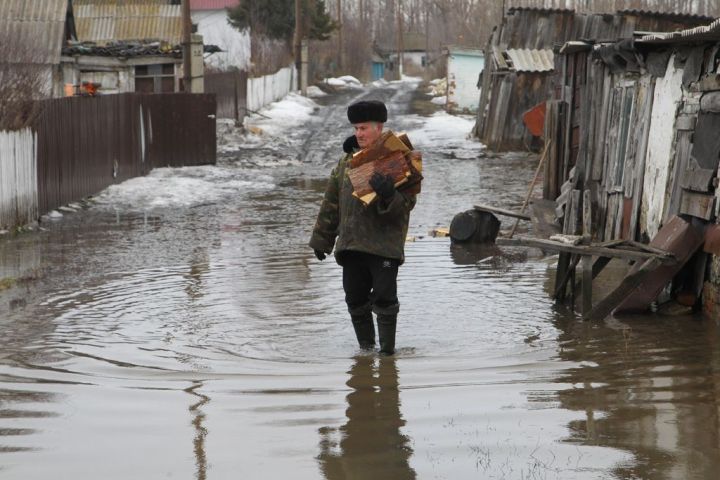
(276, 18)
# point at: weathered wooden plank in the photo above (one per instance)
(686, 122)
(678, 236)
(709, 83)
(591, 250)
(641, 154)
(698, 179)
(502, 211)
(697, 204)
(627, 286)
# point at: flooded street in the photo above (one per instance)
(181, 328)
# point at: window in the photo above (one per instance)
(155, 78)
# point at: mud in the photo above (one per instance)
(172, 334)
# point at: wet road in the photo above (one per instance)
(180, 328)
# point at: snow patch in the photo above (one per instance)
(290, 112)
(315, 92)
(447, 133)
(346, 81)
(439, 100)
(181, 187)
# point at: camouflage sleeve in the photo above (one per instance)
(400, 204)
(326, 225)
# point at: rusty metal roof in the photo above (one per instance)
(707, 33)
(527, 60)
(32, 31)
(105, 21)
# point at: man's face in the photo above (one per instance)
(367, 133)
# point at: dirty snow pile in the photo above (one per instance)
(181, 187)
(277, 118)
(346, 81)
(315, 92)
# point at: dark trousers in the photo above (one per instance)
(370, 283)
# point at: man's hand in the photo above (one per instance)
(320, 255)
(383, 185)
(351, 144)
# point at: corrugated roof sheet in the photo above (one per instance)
(709, 33)
(32, 31)
(526, 60)
(212, 4)
(105, 21)
(698, 8)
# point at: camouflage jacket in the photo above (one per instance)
(379, 229)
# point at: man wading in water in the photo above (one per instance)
(370, 239)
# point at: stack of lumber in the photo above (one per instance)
(391, 155)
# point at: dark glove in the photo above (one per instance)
(383, 185)
(320, 255)
(350, 144)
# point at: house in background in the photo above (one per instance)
(464, 68)
(414, 51)
(128, 47)
(32, 33)
(211, 19)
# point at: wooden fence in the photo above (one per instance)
(78, 146)
(18, 178)
(237, 94)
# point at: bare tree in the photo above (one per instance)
(24, 79)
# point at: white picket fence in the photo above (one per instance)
(264, 90)
(18, 178)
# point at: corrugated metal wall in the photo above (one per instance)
(18, 179)
(230, 89)
(107, 21)
(86, 144)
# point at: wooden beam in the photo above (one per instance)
(591, 250)
(626, 288)
(502, 211)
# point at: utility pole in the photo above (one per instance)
(187, 46)
(400, 46)
(297, 37)
(340, 35)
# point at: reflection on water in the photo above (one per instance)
(207, 342)
(369, 445)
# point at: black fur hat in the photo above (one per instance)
(367, 111)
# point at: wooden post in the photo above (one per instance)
(400, 46)
(587, 266)
(297, 37)
(340, 35)
(187, 46)
(532, 187)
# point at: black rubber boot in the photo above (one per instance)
(364, 330)
(386, 331)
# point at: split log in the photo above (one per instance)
(396, 166)
(386, 145)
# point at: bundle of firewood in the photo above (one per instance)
(390, 155)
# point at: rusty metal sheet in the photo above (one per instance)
(535, 119)
(677, 236)
(706, 33)
(32, 31)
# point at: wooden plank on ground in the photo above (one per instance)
(592, 250)
(621, 293)
(502, 211)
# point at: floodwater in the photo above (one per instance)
(180, 328)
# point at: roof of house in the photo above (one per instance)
(106, 21)
(692, 8)
(32, 31)
(706, 33)
(529, 60)
(212, 4)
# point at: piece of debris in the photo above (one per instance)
(439, 232)
(474, 226)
